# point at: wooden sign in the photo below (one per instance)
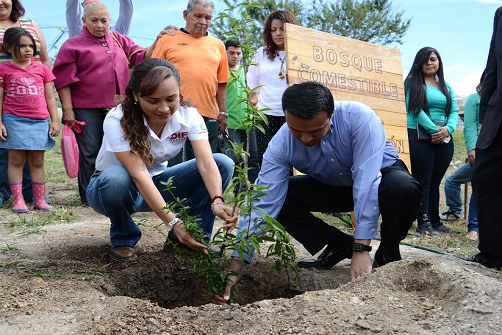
(352, 70)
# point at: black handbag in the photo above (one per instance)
(225, 147)
(423, 135)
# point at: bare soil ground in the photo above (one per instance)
(56, 278)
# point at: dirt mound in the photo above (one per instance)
(414, 297)
(61, 282)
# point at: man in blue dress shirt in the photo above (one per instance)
(348, 165)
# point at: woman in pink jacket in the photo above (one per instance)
(91, 70)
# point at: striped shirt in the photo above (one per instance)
(26, 24)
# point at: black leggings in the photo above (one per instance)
(429, 163)
(89, 143)
(274, 124)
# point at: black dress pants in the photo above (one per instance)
(399, 197)
(89, 143)
(487, 189)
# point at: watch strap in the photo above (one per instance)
(360, 247)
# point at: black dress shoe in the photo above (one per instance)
(483, 260)
(385, 255)
(327, 259)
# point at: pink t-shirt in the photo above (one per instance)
(24, 93)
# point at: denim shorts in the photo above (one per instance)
(26, 134)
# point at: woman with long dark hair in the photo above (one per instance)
(270, 73)
(140, 136)
(432, 116)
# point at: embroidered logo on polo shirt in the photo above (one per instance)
(178, 137)
(182, 43)
(203, 126)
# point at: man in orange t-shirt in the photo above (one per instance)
(202, 62)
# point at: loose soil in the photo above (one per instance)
(60, 281)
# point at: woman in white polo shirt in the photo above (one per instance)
(140, 136)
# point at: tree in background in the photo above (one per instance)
(268, 6)
(372, 21)
(256, 12)
(368, 20)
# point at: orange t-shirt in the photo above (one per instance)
(202, 64)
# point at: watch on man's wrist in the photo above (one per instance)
(360, 247)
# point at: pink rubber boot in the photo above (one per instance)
(18, 204)
(39, 196)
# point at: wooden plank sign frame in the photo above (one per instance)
(352, 70)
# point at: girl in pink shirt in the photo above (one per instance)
(26, 102)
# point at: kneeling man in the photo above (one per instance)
(348, 165)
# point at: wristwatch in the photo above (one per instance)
(360, 247)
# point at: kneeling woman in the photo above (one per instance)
(140, 136)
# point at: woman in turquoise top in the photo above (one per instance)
(431, 104)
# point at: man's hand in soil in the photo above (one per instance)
(361, 262)
(232, 280)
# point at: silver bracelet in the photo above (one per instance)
(171, 224)
(224, 114)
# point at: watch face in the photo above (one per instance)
(360, 247)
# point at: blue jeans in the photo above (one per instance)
(113, 193)
(452, 192)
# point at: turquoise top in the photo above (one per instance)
(236, 111)
(471, 121)
(436, 101)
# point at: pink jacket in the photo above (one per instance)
(96, 68)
